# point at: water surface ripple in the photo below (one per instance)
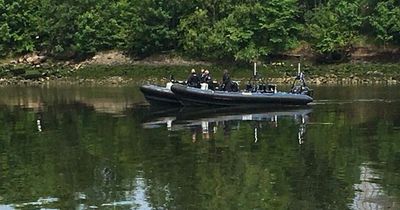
(77, 147)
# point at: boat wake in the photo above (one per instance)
(323, 102)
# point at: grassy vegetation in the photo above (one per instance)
(240, 72)
(180, 72)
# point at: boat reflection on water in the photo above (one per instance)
(155, 118)
(207, 121)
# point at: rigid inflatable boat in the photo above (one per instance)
(158, 95)
(189, 96)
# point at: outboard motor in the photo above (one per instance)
(298, 89)
(301, 87)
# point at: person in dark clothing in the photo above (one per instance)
(202, 76)
(299, 84)
(226, 81)
(207, 77)
(193, 80)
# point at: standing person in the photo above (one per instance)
(193, 80)
(226, 81)
(208, 79)
(202, 76)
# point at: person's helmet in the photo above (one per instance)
(206, 72)
(193, 71)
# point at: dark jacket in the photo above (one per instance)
(193, 80)
(207, 78)
(226, 82)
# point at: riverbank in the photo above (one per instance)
(113, 77)
(115, 69)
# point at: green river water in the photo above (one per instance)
(96, 147)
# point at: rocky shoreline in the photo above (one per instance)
(118, 81)
(334, 80)
(36, 69)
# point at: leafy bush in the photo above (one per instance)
(386, 22)
(242, 30)
(332, 29)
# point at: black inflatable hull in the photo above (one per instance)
(157, 95)
(192, 96)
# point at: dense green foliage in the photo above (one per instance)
(19, 21)
(334, 27)
(386, 21)
(241, 30)
(246, 33)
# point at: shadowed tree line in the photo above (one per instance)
(232, 30)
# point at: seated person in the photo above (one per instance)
(193, 80)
